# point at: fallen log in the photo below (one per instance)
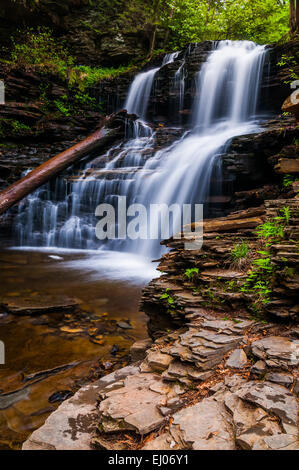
(52, 167)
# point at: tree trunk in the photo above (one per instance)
(53, 166)
(293, 16)
(167, 30)
(156, 7)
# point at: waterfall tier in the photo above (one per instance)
(183, 172)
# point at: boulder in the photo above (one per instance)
(139, 348)
(273, 398)
(279, 351)
(237, 359)
(291, 104)
(287, 166)
(204, 426)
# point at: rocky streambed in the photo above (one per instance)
(225, 378)
(65, 322)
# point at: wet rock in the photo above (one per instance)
(206, 348)
(250, 424)
(158, 361)
(124, 325)
(9, 399)
(291, 104)
(135, 405)
(139, 348)
(228, 326)
(71, 427)
(117, 375)
(273, 398)
(178, 370)
(287, 166)
(237, 359)
(279, 351)
(162, 442)
(280, 378)
(114, 349)
(234, 382)
(145, 420)
(38, 305)
(259, 368)
(277, 442)
(217, 388)
(204, 426)
(60, 396)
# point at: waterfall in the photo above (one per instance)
(141, 87)
(169, 58)
(229, 83)
(179, 84)
(62, 214)
(139, 93)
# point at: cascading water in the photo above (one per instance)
(225, 106)
(140, 89)
(139, 93)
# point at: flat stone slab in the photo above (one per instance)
(38, 304)
(135, 406)
(72, 426)
(273, 398)
(281, 351)
(237, 359)
(204, 426)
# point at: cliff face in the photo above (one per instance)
(92, 30)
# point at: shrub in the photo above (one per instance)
(239, 251)
(39, 48)
(190, 273)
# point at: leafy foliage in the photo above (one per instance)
(41, 49)
(239, 251)
(190, 273)
(290, 61)
(288, 180)
(263, 21)
(169, 299)
(259, 279)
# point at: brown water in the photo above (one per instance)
(88, 334)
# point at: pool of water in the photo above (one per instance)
(62, 308)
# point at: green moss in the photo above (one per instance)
(13, 127)
(84, 76)
(40, 49)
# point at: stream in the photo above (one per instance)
(87, 335)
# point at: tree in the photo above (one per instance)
(155, 19)
(262, 21)
(294, 16)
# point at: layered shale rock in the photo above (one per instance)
(186, 394)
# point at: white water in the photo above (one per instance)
(139, 93)
(227, 95)
(169, 58)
